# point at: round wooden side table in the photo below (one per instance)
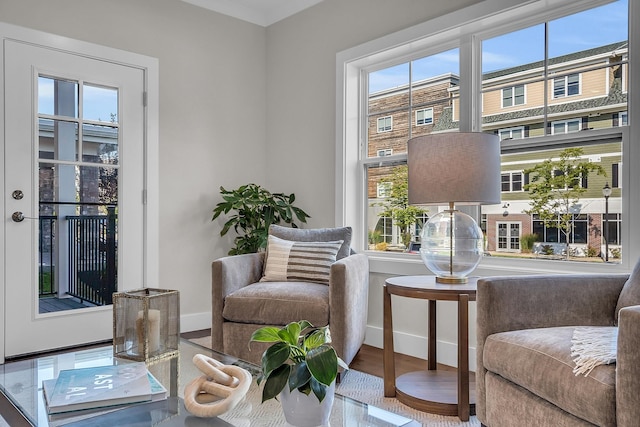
(435, 391)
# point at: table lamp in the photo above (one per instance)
(460, 168)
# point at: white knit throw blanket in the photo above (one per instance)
(593, 346)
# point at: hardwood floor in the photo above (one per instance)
(368, 359)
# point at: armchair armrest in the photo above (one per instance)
(348, 301)
(628, 367)
(229, 274)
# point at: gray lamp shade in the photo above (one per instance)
(459, 167)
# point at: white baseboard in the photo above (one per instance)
(416, 346)
(195, 322)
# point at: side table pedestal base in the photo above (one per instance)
(433, 391)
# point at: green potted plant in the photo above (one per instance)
(300, 368)
(254, 210)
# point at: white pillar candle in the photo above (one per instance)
(154, 330)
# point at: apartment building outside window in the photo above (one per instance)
(568, 88)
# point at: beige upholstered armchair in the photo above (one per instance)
(525, 367)
(243, 303)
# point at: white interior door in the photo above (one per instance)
(74, 186)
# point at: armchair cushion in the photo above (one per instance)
(299, 261)
(316, 235)
(630, 294)
(278, 303)
(544, 367)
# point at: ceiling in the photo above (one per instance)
(260, 12)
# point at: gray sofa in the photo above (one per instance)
(524, 371)
(241, 303)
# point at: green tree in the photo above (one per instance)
(396, 204)
(555, 188)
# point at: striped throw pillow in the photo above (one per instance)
(289, 261)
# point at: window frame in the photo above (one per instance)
(422, 110)
(384, 127)
(566, 85)
(513, 96)
(465, 29)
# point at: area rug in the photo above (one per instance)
(369, 389)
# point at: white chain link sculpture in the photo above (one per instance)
(217, 391)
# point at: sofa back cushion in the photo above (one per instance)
(316, 235)
(630, 294)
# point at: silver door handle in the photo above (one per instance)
(17, 216)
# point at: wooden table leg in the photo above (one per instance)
(388, 351)
(463, 357)
(432, 358)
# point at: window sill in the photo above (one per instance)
(411, 264)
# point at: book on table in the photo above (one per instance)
(101, 387)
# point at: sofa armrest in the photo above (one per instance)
(229, 274)
(526, 302)
(348, 304)
(628, 368)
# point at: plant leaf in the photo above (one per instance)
(275, 383)
(299, 376)
(274, 357)
(319, 390)
(266, 334)
(322, 362)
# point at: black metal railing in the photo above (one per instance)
(93, 257)
(46, 244)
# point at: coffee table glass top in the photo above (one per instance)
(21, 383)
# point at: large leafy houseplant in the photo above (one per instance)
(254, 209)
(301, 358)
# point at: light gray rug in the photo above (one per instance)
(369, 389)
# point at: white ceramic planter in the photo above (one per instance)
(301, 410)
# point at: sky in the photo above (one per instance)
(98, 103)
(566, 35)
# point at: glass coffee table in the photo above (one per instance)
(21, 384)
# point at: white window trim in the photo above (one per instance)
(382, 190)
(510, 130)
(424, 109)
(385, 152)
(511, 190)
(566, 124)
(446, 31)
(384, 118)
(513, 96)
(566, 86)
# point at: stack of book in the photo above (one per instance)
(101, 387)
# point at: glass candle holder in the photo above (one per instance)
(146, 324)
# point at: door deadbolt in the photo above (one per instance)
(17, 216)
(17, 194)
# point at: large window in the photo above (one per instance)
(547, 85)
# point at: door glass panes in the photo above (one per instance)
(100, 103)
(100, 144)
(57, 139)
(78, 189)
(57, 97)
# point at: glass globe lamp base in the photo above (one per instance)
(451, 246)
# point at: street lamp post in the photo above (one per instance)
(606, 192)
